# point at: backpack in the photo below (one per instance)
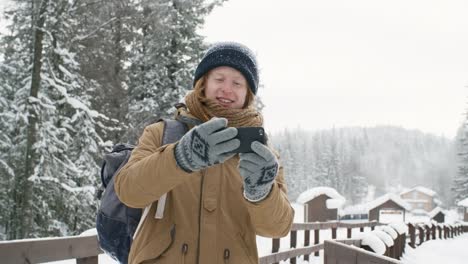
(116, 223)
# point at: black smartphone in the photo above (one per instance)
(247, 135)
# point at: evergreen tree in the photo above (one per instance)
(56, 144)
(460, 182)
(164, 57)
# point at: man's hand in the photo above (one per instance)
(205, 145)
(259, 170)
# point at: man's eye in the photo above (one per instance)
(219, 80)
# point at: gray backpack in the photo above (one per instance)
(116, 223)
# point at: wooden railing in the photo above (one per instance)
(338, 252)
(85, 249)
(418, 233)
(308, 249)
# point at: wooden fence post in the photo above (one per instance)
(293, 245)
(421, 235)
(412, 233)
(275, 246)
(333, 232)
(306, 242)
(316, 240)
(349, 232)
(440, 231)
(433, 231)
(428, 232)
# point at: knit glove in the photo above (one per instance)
(258, 169)
(205, 145)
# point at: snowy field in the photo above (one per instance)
(450, 251)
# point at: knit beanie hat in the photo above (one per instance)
(230, 54)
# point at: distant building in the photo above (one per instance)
(321, 204)
(388, 208)
(463, 204)
(421, 198)
(437, 215)
(385, 209)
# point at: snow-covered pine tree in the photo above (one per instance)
(164, 56)
(106, 31)
(460, 182)
(54, 174)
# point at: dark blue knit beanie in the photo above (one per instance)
(230, 54)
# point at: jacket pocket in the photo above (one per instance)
(156, 247)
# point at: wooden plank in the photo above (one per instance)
(279, 256)
(49, 249)
(306, 242)
(293, 245)
(88, 260)
(340, 253)
(316, 240)
(275, 245)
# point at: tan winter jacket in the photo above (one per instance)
(206, 218)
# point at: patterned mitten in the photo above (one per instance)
(205, 145)
(259, 170)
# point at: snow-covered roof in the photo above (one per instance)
(420, 189)
(355, 210)
(336, 199)
(389, 196)
(435, 211)
(463, 202)
(335, 203)
(366, 207)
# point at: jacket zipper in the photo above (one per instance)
(199, 215)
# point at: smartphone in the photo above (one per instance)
(247, 135)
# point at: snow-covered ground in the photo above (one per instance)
(450, 251)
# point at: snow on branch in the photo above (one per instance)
(80, 38)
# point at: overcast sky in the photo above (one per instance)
(354, 63)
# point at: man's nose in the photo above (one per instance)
(227, 87)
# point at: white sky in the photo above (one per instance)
(328, 63)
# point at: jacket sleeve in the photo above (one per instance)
(273, 216)
(150, 172)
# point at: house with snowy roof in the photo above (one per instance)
(388, 208)
(385, 209)
(437, 214)
(321, 204)
(421, 197)
(463, 204)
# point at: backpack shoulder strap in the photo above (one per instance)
(173, 131)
